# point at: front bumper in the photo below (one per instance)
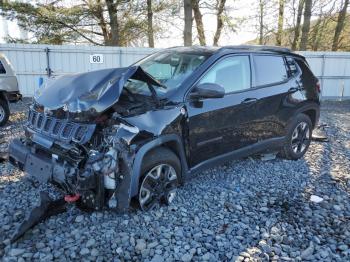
(89, 185)
(41, 167)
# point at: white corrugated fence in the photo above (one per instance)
(34, 61)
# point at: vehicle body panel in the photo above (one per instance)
(8, 81)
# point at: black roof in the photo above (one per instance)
(259, 48)
(212, 49)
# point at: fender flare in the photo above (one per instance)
(309, 106)
(159, 141)
(3, 95)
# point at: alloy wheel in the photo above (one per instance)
(2, 113)
(158, 186)
(300, 138)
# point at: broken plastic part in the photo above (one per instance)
(46, 208)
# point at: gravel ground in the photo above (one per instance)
(246, 210)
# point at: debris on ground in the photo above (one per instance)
(268, 157)
(316, 199)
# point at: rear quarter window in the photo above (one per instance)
(269, 70)
(2, 69)
(293, 69)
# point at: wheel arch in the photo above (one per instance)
(312, 110)
(172, 142)
(3, 95)
(312, 114)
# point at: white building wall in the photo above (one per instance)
(30, 63)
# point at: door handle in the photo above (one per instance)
(293, 89)
(249, 100)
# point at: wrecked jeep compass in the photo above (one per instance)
(108, 137)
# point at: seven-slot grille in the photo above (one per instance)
(59, 128)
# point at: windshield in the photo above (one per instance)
(169, 68)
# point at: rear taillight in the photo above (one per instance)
(318, 87)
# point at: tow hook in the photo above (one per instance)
(71, 198)
(47, 208)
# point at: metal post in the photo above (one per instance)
(342, 90)
(322, 73)
(120, 58)
(48, 69)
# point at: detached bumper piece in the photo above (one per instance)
(46, 208)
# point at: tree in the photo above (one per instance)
(297, 25)
(98, 22)
(280, 22)
(340, 25)
(219, 18)
(199, 22)
(261, 21)
(150, 34)
(188, 23)
(306, 25)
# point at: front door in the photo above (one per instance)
(221, 125)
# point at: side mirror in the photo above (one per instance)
(207, 90)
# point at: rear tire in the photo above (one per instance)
(4, 112)
(161, 171)
(299, 133)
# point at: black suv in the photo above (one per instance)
(111, 136)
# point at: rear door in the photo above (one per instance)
(273, 85)
(222, 125)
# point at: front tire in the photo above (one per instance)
(299, 133)
(4, 112)
(161, 171)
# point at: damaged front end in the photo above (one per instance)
(79, 140)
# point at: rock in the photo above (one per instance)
(206, 256)
(14, 252)
(157, 258)
(91, 242)
(323, 253)
(343, 247)
(94, 252)
(39, 245)
(140, 245)
(308, 252)
(316, 199)
(79, 219)
(84, 251)
(186, 257)
(337, 208)
(264, 209)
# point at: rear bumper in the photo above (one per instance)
(13, 97)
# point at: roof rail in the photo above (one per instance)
(260, 48)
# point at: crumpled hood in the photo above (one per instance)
(96, 90)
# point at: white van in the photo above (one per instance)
(9, 91)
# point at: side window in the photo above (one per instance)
(232, 73)
(2, 69)
(269, 69)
